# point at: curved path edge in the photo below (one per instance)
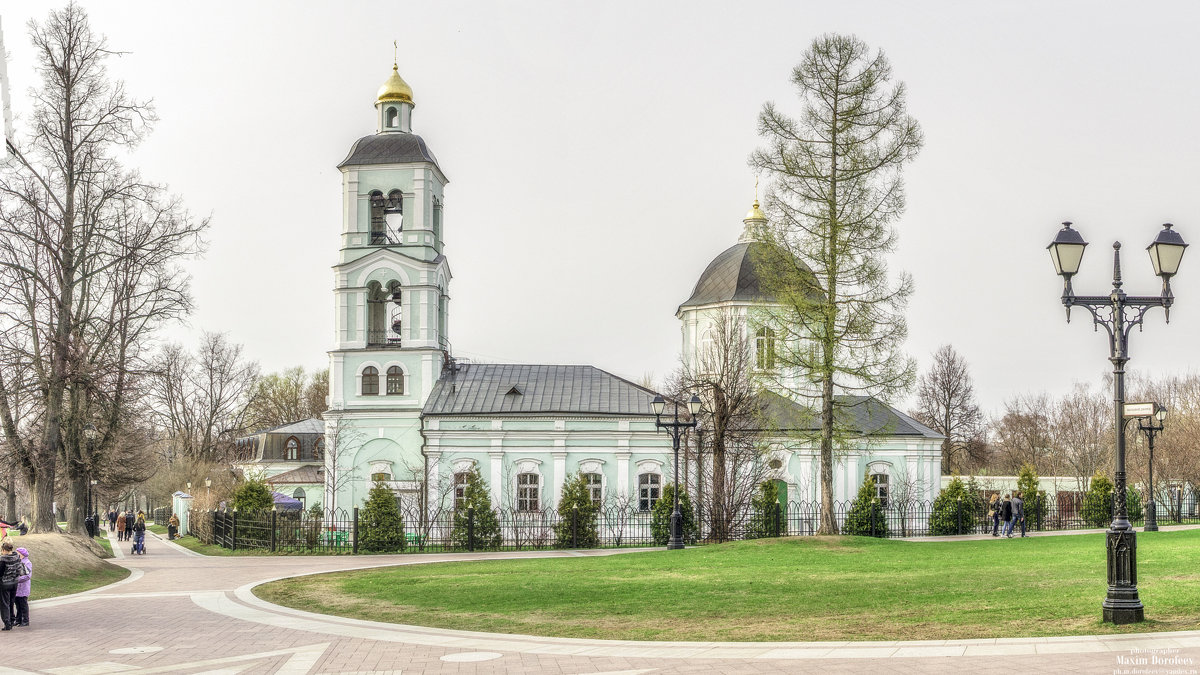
(254, 609)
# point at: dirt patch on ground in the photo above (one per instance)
(61, 555)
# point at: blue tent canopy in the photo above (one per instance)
(286, 503)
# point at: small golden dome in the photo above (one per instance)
(755, 213)
(395, 89)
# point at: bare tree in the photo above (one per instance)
(88, 254)
(1023, 433)
(287, 396)
(342, 442)
(835, 190)
(946, 404)
(721, 374)
(1081, 430)
(199, 401)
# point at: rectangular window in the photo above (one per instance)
(881, 488)
(649, 489)
(595, 483)
(460, 489)
(527, 492)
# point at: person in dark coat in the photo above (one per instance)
(1007, 514)
(994, 514)
(11, 570)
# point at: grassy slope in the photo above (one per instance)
(789, 589)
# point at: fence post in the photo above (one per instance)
(1039, 500)
(273, 521)
(234, 547)
(471, 529)
(575, 526)
(960, 515)
(354, 532)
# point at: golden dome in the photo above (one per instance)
(395, 89)
(755, 213)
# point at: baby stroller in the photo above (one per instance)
(139, 544)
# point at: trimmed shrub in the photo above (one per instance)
(945, 516)
(253, 495)
(576, 527)
(766, 515)
(381, 527)
(1035, 499)
(1097, 502)
(867, 517)
(660, 517)
(486, 534)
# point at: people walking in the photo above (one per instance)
(1019, 511)
(10, 570)
(21, 600)
(139, 534)
(120, 520)
(994, 514)
(112, 520)
(129, 522)
(1006, 513)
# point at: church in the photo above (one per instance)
(404, 411)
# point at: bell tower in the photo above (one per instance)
(391, 304)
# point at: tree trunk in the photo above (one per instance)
(828, 519)
(10, 500)
(41, 495)
(76, 503)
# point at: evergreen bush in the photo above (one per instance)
(867, 516)
(766, 514)
(660, 517)
(1133, 504)
(577, 526)
(380, 525)
(1035, 499)
(253, 495)
(486, 535)
(1097, 501)
(944, 518)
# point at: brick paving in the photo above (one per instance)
(183, 613)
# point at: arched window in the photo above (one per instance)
(460, 488)
(299, 494)
(595, 483)
(395, 381)
(881, 487)
(649, 490)
(378, 223)
(319, 449)
(292, 449)
(377, 308)
(370, 381)
(392, 115)
(527, 491)
(396, 324)
(764, 343)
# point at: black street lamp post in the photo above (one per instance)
(676, 429)
(1152, 426)
(1118, 313)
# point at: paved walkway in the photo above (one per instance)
(179, 612)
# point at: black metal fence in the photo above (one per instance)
(300, 532)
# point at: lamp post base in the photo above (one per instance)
(676, 540)
(1151, 518)
(1122, 604)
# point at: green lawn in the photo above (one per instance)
(835, 588)
(157, 529)
(45, 586)
(105, 544)
(194, 544)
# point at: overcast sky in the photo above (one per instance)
(597, 162)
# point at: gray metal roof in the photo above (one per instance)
(487, 388)
(308, 426)
(733, 275)
(860, 414)
(389, 148)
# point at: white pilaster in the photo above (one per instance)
(560, 467)
(623, 456)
